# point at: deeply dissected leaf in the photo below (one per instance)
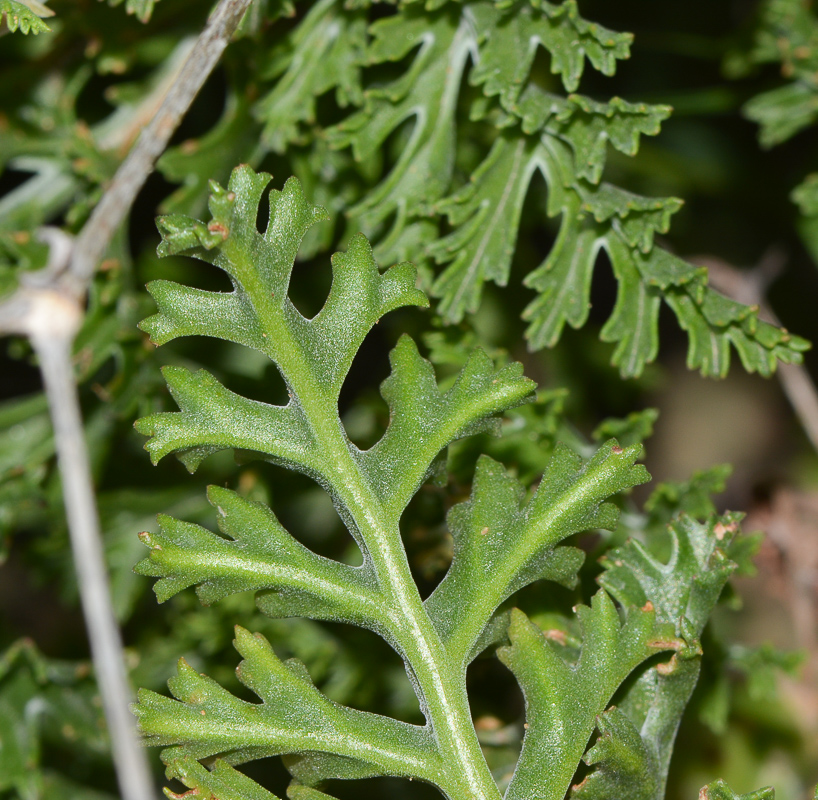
(512, 31)
(370, 489)
(682, 593)
(501, 547)
(26, 15)
(427, 94)
(623, 762)
(787, 32)
(486, 216)
(324, 52)
(563, 699)
(292, 717)
(221, 782)
(259, 554)
(423, 420)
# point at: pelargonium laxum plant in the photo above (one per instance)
(643, 623)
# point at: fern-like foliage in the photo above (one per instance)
(785, 32)
(632, 755)
(25, 15)
(503, 542)
(719, 790)
(422, 207)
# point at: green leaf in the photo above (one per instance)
(682, 593)
(501, 546)
(633, 429)
(220, 782)
(512, 31)
(141, 9)
(563, 699)
(25, 15)
(369, 490)
(783, 112)
(692, 497)
(486, 217)
(587, 126)
(427, 92)
(689, 585)
(623, 766)
(260, 267)
(293, 717)
(259, 314)
(213, 418)
(719, 790)
(423, 419)
(325, 51)
(259, 554)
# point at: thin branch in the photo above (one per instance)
(53, 322)
(48, 309)
(106, 218)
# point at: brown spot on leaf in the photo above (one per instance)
(217, 227)
(669, 668)
(555, 635)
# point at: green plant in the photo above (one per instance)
(502, 543)
(426, 127)
(785, 32)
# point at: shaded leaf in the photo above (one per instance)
(325, 51)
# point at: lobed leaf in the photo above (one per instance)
(424, 420)
(293, 717)
(258, 313)
(258, 555)
(220, 782)
(562, 699)
(512, 31)
(486, 216)
(325, 51)
(427, 92)
(501, 545)
(623, 762)
(25, 15)
(682, 593)
(212, 418)
(783, 112)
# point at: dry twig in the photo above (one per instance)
(48, 308)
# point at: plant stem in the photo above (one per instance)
(440, 678)
(53, 323)
(106, 218)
